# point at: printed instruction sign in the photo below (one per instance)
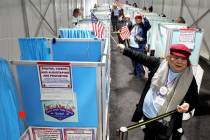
(47, 133)
(187, 37)
(79, 134)
(55, 80)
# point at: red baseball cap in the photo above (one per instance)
(138, 16)
(180, 50)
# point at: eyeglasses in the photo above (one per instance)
(178, 57)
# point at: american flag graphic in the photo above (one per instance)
(98, 27)
(124, 33)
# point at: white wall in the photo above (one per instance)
(11, 27)
(12, 23)
(89, 4)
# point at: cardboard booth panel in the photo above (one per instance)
(64, 50)
(84, 86)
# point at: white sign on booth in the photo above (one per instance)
(59, 102)
(187, 37)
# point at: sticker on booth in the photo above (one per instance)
(79, 134)
(45, 133)
(60, 111)
(55, 80)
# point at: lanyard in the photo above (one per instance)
(170, 83)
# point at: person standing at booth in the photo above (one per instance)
(180, 20)
(76, 16)
(122, 21)
(170, 86)
(114, 17)
(138, 41)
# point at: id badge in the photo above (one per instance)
(159, 100)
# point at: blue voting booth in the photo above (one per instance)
(90, 66)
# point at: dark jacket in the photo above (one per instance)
(143, 27)
(153, 63)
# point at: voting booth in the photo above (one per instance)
(152, 36)
(65, 94)
(171, 33)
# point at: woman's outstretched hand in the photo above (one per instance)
(120, 47)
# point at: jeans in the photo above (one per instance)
(138, 68)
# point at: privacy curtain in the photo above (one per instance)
(75, 33)
(11, 125)
(34, 49)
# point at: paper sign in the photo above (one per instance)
(26, 135)
(55, 80)
(55, 75)
(79, 134)
(187, 37)
(47, 134)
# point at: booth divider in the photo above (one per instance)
(89, 60)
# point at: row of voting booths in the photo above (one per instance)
(60, 86)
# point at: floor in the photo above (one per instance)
(126, 90)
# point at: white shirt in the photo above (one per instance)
(133, 43)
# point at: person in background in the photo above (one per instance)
(180, 20)
(114, 17)
(170, 86)
(76, 16)
(126, 2)
(150, 9)
(95, 5)
(135, 5)
(138, 40)
(144, 8)
(122, 21)
(162, 15)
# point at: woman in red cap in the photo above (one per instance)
(138, 41)
(171, 85)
